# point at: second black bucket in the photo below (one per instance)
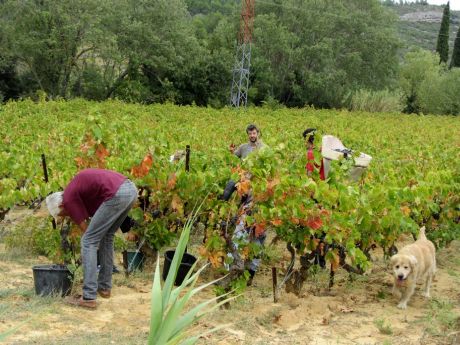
(134, 260)
(52, 280)
(187, 262)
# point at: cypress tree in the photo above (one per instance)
(455, 61)
(442, 47)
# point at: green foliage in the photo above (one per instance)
(376, 101)
(440, 93)
(442, 46)
(314, 53)
(158, 234)
(90, 84)
(119, 243)
(237, 287)
(26, 234)
(212, 6)
(302, 53)
(9, 81)
(428, 86)
(36, 236)
(50, 39)
(412, 179)
(418, 66)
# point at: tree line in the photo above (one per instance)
(307, 52)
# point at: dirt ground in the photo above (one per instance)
(357, 310)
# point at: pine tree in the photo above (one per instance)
(455, 61)
(442, 47)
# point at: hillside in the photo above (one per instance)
(419, 25)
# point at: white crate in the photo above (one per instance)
(330, 150)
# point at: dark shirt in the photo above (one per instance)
(88, 190)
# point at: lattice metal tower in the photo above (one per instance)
(240, 83)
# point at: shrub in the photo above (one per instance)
(440, 94)
(428, 86)
(376, 101)
(35, 235)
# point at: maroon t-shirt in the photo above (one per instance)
(88, 190)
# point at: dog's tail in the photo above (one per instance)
(422, 235)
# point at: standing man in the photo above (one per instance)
(106, 197)
(254, 143)
(241, 230)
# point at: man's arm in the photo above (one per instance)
(238, 152)
(76, 210)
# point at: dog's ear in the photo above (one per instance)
(393, 259)
(413, 261)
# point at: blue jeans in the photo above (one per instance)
(99, 235)
(243, 235)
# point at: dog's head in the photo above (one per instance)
(403, 266)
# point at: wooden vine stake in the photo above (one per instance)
(187, 158)
(125, 262)
(45, 178)
(331, 277)
(275, 285)
(45, 169)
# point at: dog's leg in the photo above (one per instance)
(406, 295)
(396, 292)
(429, 278)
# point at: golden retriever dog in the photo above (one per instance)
(413, 263)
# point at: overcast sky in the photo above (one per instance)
(454, 4)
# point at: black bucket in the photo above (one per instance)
(187, 262)
(133, 260)
(52, 280)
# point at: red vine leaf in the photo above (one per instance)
(277, 222)
(244, 187)
(315, 223)
(259, 229)
(143, 169)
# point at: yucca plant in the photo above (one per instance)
(169, 321)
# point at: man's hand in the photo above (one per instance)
(83, 226)
(131, 236)
(232, 148)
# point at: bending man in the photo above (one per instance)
(105, 196)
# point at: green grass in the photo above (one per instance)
(25, 310)
(383, 326)
(442, 319)
(381, 294)
(21, 292)
(99, 338)
(272, 254)
(18, 256)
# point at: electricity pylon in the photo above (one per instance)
(240, 82)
